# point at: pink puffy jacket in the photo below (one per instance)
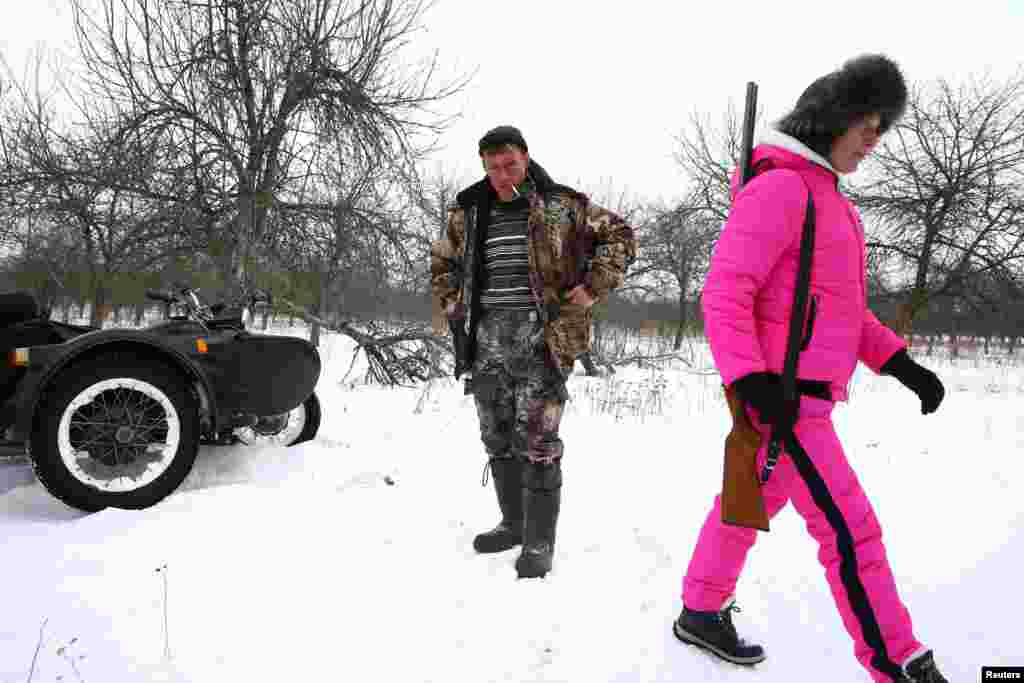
(749, 289)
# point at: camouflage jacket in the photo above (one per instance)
(570, 241)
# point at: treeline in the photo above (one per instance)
(279, 144)
(250, 144)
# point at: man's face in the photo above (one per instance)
(506, 169)
(849, 149)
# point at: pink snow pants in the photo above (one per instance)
(814, 474)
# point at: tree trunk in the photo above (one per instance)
(223, 253)
(48, 296)
(907, 311)
(321, 306)
(100, 308)
(678, 342)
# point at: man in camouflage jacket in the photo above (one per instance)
(523, 261)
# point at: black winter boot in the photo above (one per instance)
(507, 473)
(922, 669)
(714, 632)
(542, 495)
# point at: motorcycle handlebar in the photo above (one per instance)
(188, 297)
(160, 296)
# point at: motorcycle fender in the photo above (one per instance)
(263, 374)
(47, 362)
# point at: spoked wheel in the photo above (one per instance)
(115, 433)
(287, 429)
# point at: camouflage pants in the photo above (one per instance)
(519, 396)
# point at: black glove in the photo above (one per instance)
(918, 379)
(763, 392)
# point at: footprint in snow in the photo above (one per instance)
(365, 480)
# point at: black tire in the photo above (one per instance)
(157, 387)
(309, 430)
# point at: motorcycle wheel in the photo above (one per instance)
(294, 427)
(115, 432)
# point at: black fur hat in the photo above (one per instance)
(868, 84)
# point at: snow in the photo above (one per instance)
(350, 558)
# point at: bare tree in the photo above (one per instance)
(89, 181)
(675, 250)
(945, 199)
(42, 257)
(350, 229)
(680, 239)
(249, 90)
(423, 219)
(708, 155)
(433, 194)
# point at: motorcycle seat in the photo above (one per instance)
(17, 307)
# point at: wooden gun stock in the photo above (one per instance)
(741, 500)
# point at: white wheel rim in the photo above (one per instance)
(126, 476)
(296, 423)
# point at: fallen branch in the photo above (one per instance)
(35, 656)
(653, 361)
(390, 360)
(649, 360)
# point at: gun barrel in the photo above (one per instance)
(747, 141)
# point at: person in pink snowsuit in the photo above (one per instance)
(746, 303)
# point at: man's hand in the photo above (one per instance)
(580, 296)
(455, 311)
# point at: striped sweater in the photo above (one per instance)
(505, 262)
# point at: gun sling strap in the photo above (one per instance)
(801, 294)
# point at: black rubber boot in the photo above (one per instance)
(715, 632)
(542, 495)
(507, 474)
(923, 670)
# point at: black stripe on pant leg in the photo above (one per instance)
(851, 581)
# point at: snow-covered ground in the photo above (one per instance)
(350, 558)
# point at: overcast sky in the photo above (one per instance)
(601, 89)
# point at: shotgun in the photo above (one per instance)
(741, 501)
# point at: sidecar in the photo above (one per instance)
(114, 417)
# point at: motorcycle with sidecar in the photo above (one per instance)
(114, 417)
